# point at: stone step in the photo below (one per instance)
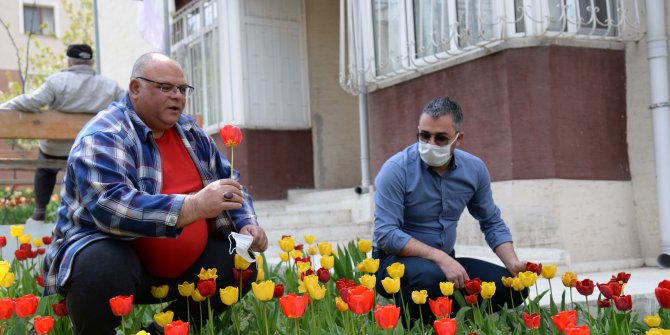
(307, 196)
(297, 220)
(339, 233)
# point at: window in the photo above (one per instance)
(38, 20)
(584, 17)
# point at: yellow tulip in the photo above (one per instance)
(488, 290)
(287, 243)
(325, 248)
(25, 238)
(327, 262)
(528, 278)
(309, 239)
(142, 332)
(295, 254)
(549, 271)
(447, 288)
(311, 280)
(368, 281)
(259, 261)
(391, 285)
(160, 292)
(241, 263)
(652, 320)
(419, 297)
(163, 318)
(207, 274)
(37, 242)
(369, 265)
(312, 250)
(517, 284)
(4, 269)
(365, 246)
(16, 230)
(229, 295)
(263, 290)
(569, 279)
(196, 296)
(186, 289)
(260, 275)
(507, 281)
(303, 267)
(8, 280)
(301, 287)
(283, 256)
(658, 331)
(341, 305)
(396, 270)
(316, 292)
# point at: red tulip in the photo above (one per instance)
(577, 330)
(537, 268)
(207, 287)
(343, 285)
(473, 286)
(387, 316)
(306, 259)
(610, 289)
(121, 305)
(624, 303)
(230, 135)
(176, 328)
(3, 241)
(26, 306)
(60, 308)
(21, 254)
(43, 325)
(445, 326)
(293, 305)
(40, 280)
(6, 308)
(532, 321)
(46, 240)
(663, 293)
(471, 299)
(585, 287)
(605, 303)
(564, 319)
(279, 291)
(40, 251)
(298, 246)
(360, 299)
(323, 274)
(621, 278)
(441, 307)
(245, 274)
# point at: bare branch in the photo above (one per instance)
(16, 48)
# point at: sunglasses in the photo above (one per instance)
(440, 139)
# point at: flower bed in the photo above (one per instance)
(336, 295)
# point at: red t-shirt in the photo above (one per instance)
(169, 257)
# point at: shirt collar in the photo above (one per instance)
(186, 122)
(80, 68)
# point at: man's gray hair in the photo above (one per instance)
(142, 62)
(77, 61)
(442, 106)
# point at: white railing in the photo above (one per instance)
(383, 42)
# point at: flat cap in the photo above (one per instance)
(80, 51)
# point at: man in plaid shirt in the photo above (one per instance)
(146, 201)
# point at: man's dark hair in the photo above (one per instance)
(442, 106)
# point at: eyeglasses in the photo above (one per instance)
(185, 90)
(441, 139)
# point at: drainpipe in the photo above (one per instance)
(362, 103)
(657, 49)
(97, 36)
(166, 27)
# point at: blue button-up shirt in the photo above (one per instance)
(412, 200)
(112, 188)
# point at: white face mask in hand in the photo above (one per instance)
(435, 155)
(242, 245)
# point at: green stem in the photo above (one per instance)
(232, 158)
(210, 317)
(421, 320)
(265, 317)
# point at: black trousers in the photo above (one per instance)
(422, 274)
(107, 268)
(44, 183)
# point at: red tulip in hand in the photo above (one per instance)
(231, 137)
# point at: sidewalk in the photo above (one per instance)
(643, 281)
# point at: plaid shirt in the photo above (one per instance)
(112, 188)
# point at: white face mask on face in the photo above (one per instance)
(435, 155)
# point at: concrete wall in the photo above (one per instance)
(335, 134)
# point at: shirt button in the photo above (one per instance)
(172, 219)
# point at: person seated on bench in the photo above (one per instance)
(76, 89)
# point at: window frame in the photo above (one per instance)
(42, 4)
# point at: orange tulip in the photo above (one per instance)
(43, 325)
(445, 326)
(360, 299)
(387, 316)
(26, 306)
(441, 307)
(577, 330)
(121, 305)
(230, 135)
(6, 308)
(294, 305)
(176, 328)
(532, 321)
(564, 319)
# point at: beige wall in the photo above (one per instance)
(334, 113)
